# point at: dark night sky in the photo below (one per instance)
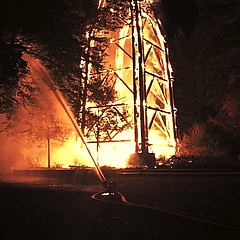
(178, 13)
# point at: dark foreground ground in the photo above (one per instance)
(183, 207)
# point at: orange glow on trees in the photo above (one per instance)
(127, 97)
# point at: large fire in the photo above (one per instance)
(160, 123)
(159, 104)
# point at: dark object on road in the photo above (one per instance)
(175, 162)
(110, 186)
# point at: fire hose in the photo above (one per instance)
(110, 195)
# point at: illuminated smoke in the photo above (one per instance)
(26, 144)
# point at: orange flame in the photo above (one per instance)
(113, 154)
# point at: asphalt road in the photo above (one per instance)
(166, 207)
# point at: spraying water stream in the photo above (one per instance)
(37, 70)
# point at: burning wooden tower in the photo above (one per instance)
(139, 64)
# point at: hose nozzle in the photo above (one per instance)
(110, 186)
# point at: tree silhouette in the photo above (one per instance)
(68, 37)
(206, 66)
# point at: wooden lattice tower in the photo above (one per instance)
(139, 64)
